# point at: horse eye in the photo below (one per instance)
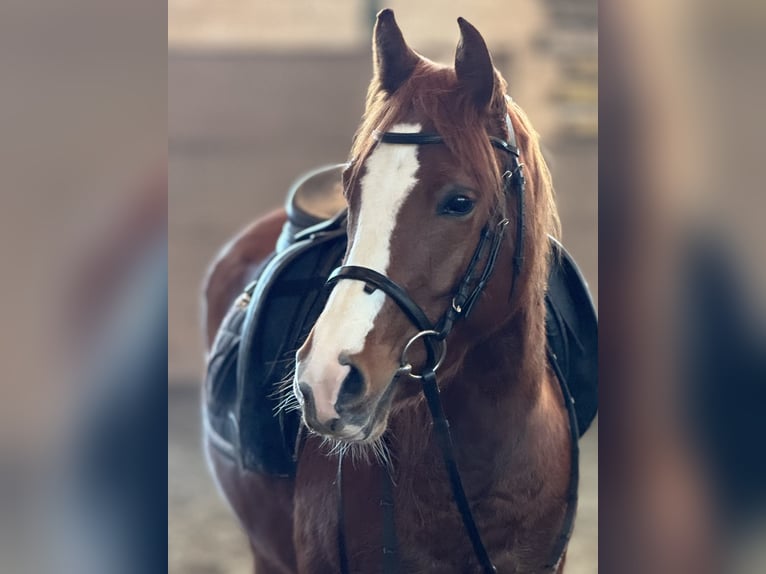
(456, 205)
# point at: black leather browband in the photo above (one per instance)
(426, 139)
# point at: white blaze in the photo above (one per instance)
(350, 312)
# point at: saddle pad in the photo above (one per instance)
(254, 353)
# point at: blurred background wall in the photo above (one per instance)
(260, 92)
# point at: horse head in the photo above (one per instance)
(416, 214)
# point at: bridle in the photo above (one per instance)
(466, 293)
(470, 287)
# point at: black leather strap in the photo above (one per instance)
(574, 471)
(463, 291)
(390, 541)
(389, 287)
(504, 146)
(419, 138)
(342, 552)
(424, 138)
(443, 437)
(489, 267)
(518, 181)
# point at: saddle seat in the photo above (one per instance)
(312, 199)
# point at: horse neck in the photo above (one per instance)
(488, 391)
(503, 361)
(513, 352)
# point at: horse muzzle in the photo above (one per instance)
(356, 415)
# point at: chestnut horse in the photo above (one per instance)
(416, 214)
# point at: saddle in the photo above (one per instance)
(249, 373)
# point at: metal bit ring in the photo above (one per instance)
(407, 366)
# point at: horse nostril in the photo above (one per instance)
(351, 388)
(353, 384)
(334, 425)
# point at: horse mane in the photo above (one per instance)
(432, 91)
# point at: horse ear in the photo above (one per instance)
(473, 65)
(394, 60)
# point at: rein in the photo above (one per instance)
(466, 294)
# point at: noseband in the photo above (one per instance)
(464, 297)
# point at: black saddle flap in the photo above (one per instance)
(287, 301)
(571, 326)
(254, 351)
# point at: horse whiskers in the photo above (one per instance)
(376, 450)
(287, 401)
(383, 455)
(287, 404)
(366, 452)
